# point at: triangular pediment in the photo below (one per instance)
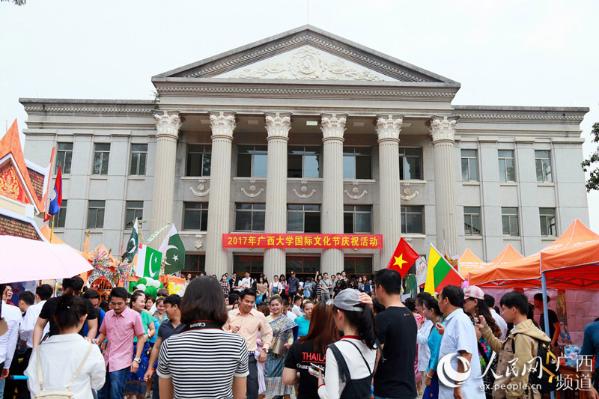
(306, 53)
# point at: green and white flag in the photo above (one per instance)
(149, 261)
(132, 244)
(174, 252)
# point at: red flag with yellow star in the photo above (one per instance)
(403, 258)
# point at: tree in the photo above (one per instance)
(17, 2)
(587, 165)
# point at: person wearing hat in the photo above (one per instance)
(350, 361)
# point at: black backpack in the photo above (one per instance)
(545, 372)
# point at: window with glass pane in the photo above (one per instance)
(253, 264)
(360, 265)
(64, 155)
(251, 161)
(507, 166)
(139, 153)
(305, 266)
(61, 218)
(101, 155)
(510, 222)
(412, 219)
(548, 222)
(410, 163)
(357, 219)
(195, 216)
(133, 210)
(198, 160)
(249, 217)
(303, 162)
(472, 224)
(194, 264)
(357, 163)
(303, 218)
(543, 165)
(95, 214)
(469, 165)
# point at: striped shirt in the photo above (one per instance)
(202, 363)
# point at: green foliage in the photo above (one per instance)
(587, 165)
(16, 2)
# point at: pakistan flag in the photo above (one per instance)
(149, 261)
(174, 252)
(132, 244)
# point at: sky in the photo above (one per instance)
(535, 52)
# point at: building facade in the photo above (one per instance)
(308, 132)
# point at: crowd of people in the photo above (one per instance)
(237, 337)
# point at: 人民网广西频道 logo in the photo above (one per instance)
(448, 375)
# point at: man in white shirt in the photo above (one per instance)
(459, 339)
(246, 282)
(8, 341)
(490, 301)
(42, 294)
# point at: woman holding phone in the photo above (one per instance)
(430, 310)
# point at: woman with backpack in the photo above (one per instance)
(350, 361)
(66, 365)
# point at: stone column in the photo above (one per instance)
(218, 261)
(333, 127)
(443, 133)
(388, 128)
(167, 131)
(277, 127)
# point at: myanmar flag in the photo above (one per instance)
(440, 273)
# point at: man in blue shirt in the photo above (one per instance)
(590, 347)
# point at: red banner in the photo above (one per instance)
(317, 241)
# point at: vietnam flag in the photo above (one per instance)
(403, 258)
(440, 273)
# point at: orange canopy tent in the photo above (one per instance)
(469, 262)
(505, 270)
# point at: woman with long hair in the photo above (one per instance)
(275, 287)
(204, 361)
(66, 362)
(303, 321)
(475, 306)
(350, 361)
(261, 290)
(310, 349)
(430, 310)
(136, 386)
(284, 292)
(282, 331)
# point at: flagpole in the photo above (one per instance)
(52, 229)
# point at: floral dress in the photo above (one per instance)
(282, 330)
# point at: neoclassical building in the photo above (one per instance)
(309, 132)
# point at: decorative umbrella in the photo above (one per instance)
(22, 259)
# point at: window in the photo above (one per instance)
(62, 215)
(253, 264)
(249, 217)
(412, 219)
(101, 155)
(472, 224)
(548, 223)
(95, 214)
(64, 155)
(194, 264)
(133, 209)
(507, 166)
(357, 219)
(410, 163)
(511, 224)
(543, 164)
(198, 160)
(358, 266)
(139, 154)
(357, 163)
(195, 216)
(469, 165)
(303, 162)
(251, 161)
(303, 218)
(303, 265)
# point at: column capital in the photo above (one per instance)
(332, 126)
(167, 124)
(278, 125)
(388, 127)
(442, 129)
(222, 124)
